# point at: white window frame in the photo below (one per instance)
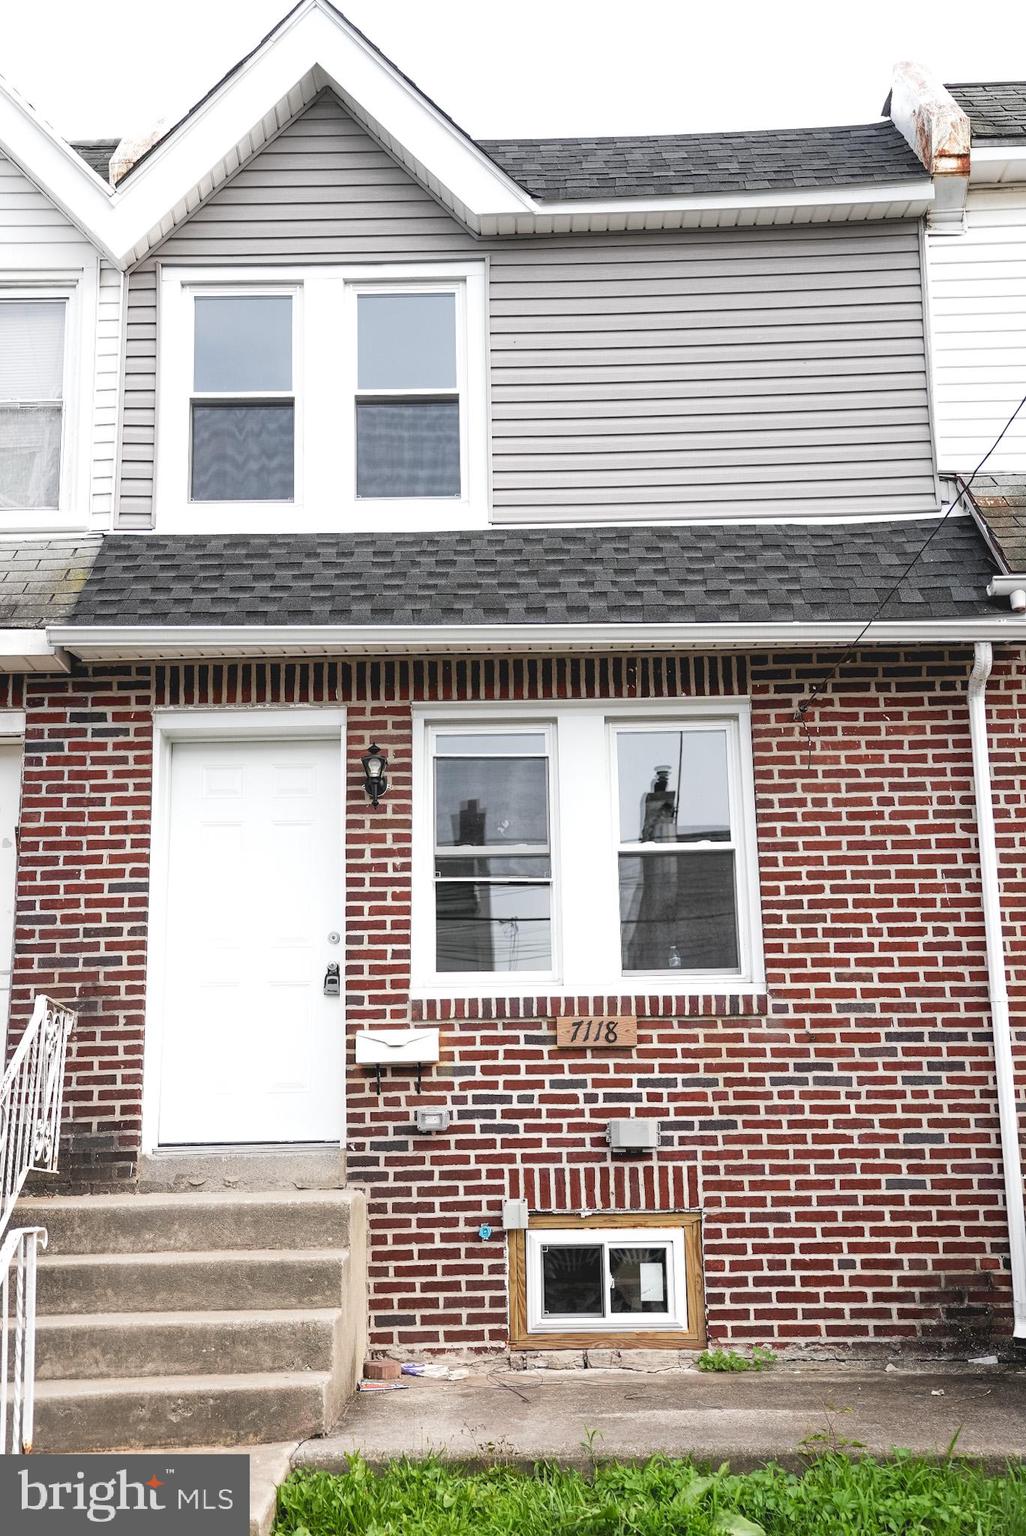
(586, 912)
(291, 291)
(544, 728)
(733, 844)
(458, 289)
(77, 288)
(324, 386)
(673, 1319)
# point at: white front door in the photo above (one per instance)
(252, 1049)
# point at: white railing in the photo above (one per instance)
(31, 1100)
(18, 1342)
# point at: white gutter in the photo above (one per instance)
(141, 641)
(31, 650)
(997, 984)
(1013, 587)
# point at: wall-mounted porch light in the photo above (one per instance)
(375, 772)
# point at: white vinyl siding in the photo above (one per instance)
(753, 372)
(978, 313)
(41, 247)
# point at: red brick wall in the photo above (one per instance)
(841, 1132)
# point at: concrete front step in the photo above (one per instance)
(183, 1343)
(182, 1223)
(201, 1282)
(171, 1320)
(289, 1167)
(122, 1413)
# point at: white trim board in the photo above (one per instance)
(213, 642)
(244, 722)
(31, 650)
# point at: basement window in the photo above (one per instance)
(606, 1277)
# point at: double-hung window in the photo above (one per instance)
(676, 856)
(32, 339)
(587, 849)
(243, 410)
(323, 398)
(408, 437)
(492, 851)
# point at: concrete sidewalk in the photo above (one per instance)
(525, 1416)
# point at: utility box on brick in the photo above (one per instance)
(633, 1135)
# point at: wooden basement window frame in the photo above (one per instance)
(690, 1222)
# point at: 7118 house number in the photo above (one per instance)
(597, 1032)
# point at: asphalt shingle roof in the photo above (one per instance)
(667, 165)
(97, 153)
(996, 108)
(676, 164)
(1001, 503)
(701, 573)
(41, 578)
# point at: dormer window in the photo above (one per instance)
(322, 398)
(31, 402)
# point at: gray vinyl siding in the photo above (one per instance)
(36, 237)
(749, 372)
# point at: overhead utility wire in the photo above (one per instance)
(803, 708)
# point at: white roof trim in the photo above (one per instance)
(131, 642)
(712, 210)
(315, 46)
(58, 170)
(30, 650)
(991, 164)
(315, 37)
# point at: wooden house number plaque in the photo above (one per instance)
(596, 1032)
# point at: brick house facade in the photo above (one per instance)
(838, 1134)
(479, 450)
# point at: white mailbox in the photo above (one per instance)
(394, 1047)
(379, 1048)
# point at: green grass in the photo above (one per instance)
(761, 1359)
(834, 1496)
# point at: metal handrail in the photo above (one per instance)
(18, 1259)
(32, 1100)
(31, 1104)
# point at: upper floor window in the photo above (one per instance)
(243, 407)
(585, 848)
(408, 394)
(31, 402)
(322, 398)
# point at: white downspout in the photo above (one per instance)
(996, 982)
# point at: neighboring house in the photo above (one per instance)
(568, 475)
(977, 284)
(60, 366)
